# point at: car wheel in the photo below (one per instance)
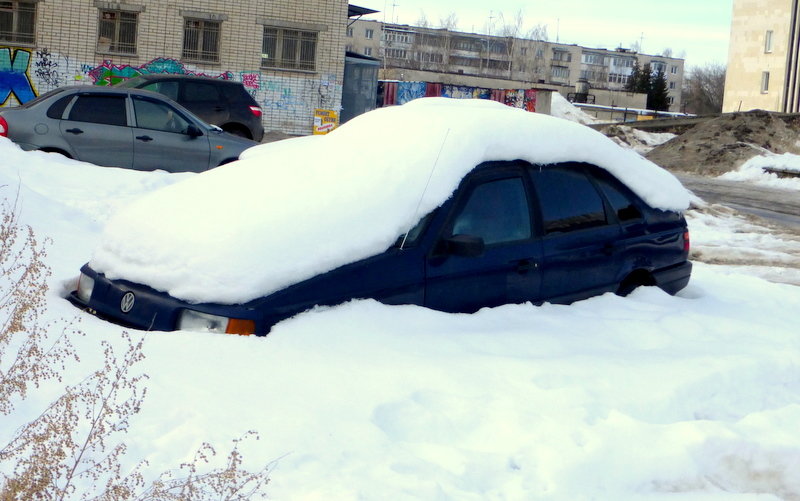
(636, 279)
(237, 131)
(56, 150)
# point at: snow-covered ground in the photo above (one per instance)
(695, 396)
(753, 171)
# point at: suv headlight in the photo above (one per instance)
(85, 287)
(192, 320)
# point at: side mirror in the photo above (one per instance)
(464, 246)
(194, 131)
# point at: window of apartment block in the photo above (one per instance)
(201, 40)
(561, 55)
(673, 69)
(765, 82)
(117, 32)
(17, 22)
(369, 33)
(672, 85)
(350, 32)
(670, 100)
(560, 72)
(290, 49)
(768, 42)
(367, 51)
(396, 53)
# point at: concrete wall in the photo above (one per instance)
(748, 58)
(67, 52)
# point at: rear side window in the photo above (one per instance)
(197, 92)
(56, 110)
(619, 197)
(496, 211)
(569, 200)
(99, 109)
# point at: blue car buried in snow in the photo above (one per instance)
(445, 213)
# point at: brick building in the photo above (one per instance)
(289, 54)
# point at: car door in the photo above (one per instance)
(580, 244)
(96, 129)
(162, 140)
(492, 206)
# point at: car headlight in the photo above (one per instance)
(192, 320)
(85, 287)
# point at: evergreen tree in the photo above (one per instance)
(644, 80)
(633, 79)
(658, 95)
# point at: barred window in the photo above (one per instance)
(117, 32)
(289, 49)
(17, 22)
(201, 40)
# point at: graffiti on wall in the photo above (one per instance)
(288, 101)
(15, 78)
(109, 73)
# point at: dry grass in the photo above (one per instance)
(75, 449)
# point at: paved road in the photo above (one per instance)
(777, 206)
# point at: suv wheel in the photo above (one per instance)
(237, 130)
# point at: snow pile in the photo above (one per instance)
(561, 108)
(645, 397)
(753, 171)
(291, 210)
(638, 140)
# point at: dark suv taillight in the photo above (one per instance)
(256, 111)
(3, 127)
(686, 241)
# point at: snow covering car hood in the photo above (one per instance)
(290, 210)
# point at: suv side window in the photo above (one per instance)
(169, 89)
(99, 109)
(618, 196)
(569, 200)
(496, 211)
(197, 92)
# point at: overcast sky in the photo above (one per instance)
(696, 29)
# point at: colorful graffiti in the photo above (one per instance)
(109, 73)
(15, 79)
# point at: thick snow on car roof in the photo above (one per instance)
(290, 210)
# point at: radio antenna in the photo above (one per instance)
(427, 183)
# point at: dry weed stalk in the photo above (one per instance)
(72, 449)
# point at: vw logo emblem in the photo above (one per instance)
(126, 304)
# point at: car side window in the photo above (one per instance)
(56, 110)
(619, 198)
(158, 116)
(197, 92)
(99, 109)
(496, 211)
(169, 89)
(569, 200)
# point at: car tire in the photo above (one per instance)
(56, 150)
(237, 131)
(634, 280)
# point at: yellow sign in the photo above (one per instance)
(325, 121)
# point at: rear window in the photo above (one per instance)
(569, 200)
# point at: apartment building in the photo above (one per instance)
(763, 68)
(289, 54)
(570, 69)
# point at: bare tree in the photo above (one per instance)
(450, 22)
(422, 20)
(703, 89)
(667, 52)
